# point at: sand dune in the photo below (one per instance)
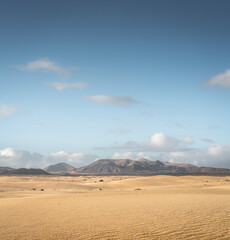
(156, 207)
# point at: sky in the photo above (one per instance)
(82, 80)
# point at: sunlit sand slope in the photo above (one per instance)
(158, 207)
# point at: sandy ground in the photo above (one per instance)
(158, 207)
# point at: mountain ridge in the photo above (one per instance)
(128, 166)
(141, 167)
(145, 167)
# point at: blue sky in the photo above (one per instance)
(82, 80)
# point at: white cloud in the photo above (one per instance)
(159, 139)
(162, 140)
(60, 86)
(115, 100)
(130, 155)
(8, 152)
(187, 140)
(221, 80)
(44, 65)
(7, 110)
(216, 150)
(19, 158)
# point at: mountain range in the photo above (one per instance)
(144, 167)
(121, 167)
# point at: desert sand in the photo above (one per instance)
(119, 207)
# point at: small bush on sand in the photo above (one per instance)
(101, 180)
(42, 189)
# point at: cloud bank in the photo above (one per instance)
(11, 157)
(18, 158)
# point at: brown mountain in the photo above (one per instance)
(129, 167)
(59, 168)
(144, 167)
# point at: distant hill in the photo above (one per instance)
(144, 167)
(24, 171)
(4, 169)
(59, 168)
